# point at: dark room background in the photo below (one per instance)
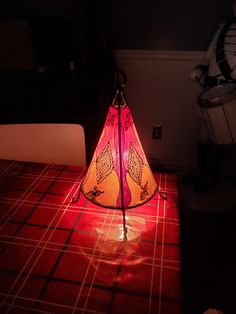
(56, 56)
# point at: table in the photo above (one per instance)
(57, 256)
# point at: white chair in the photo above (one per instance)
(48, 143)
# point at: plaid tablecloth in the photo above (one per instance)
(57, 256)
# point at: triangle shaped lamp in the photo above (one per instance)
(119, 175)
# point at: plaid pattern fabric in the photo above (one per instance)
(59, 256)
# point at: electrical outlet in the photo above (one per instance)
(156, 132)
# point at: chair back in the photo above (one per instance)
(48, 143)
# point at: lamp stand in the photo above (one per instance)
(120, 91)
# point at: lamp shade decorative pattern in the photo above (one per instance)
(119, 175)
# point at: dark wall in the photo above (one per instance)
(38, 7)
(132, 24)
(166, 25)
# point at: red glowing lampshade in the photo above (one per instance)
(119, 175)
